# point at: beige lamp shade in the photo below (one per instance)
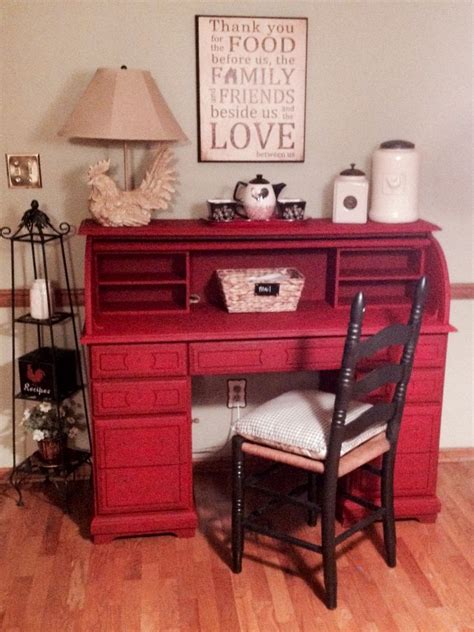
(122, 104)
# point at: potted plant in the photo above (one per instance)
(51, 425)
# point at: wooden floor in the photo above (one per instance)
(52, 578)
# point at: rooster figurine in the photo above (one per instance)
(111, 206)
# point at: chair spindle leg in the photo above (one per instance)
(389, 534)
(312, 497)
(237, 504)
(328, 533)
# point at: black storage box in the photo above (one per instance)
(42, 378)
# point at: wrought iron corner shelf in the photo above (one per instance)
(36, 230)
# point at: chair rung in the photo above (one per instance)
(368, 467)
(285, 498)
(257, 476)
(361, 524)
(284, 537)
(361, 501)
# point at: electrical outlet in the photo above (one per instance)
(236, 393)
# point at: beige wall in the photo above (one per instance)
(376, 70)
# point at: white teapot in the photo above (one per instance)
(258, 197)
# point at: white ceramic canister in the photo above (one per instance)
(39, 299)
(351, 190)
(395, 169)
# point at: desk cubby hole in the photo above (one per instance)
(313, 264)
(386, 276)
(142, 298)
(140, 279)
(141, 267)
(397, 263)
(376, 293)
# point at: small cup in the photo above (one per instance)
(221, 210)
(291, 208)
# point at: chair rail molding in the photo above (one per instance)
(22, 297)
(459, 291)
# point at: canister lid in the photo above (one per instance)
(397, 144)
(352, 171)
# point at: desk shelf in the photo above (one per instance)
(381, 264)
(386, 276)
(386, 293)
(136, 278)
(136, 299)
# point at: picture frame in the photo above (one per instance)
(251, 88)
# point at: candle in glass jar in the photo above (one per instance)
(39, 308)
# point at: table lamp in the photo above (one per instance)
(126, 105)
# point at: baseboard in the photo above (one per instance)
(223, 464)
(83, 472)
(454, 455)
(210, 464)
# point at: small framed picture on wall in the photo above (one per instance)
(251, 88)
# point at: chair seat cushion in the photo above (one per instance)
(300, 421)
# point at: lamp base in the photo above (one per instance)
(112, 206)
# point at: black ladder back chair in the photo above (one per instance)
(329, 436)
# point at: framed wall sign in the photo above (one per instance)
(251, 77)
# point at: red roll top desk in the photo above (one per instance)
(155, 318)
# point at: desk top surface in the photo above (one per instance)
(191, 229)
(208, 323)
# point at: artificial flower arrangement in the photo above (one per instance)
(44, 422)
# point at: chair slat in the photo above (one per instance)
(397, 334)
(379, 413)
(386, 374)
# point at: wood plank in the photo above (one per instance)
(54, 578)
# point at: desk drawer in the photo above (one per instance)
(143, 463)
(256, 356)
(415, 474)
(142, 397)
(150, 488)
(430, 352)
(140, 360)
(425, 385)
(142, 441)
(419, 431)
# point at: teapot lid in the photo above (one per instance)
(352, 171)
(259, 180)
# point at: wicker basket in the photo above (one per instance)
(261, 289)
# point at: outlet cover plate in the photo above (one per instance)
(237, 393)
(23, 171)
